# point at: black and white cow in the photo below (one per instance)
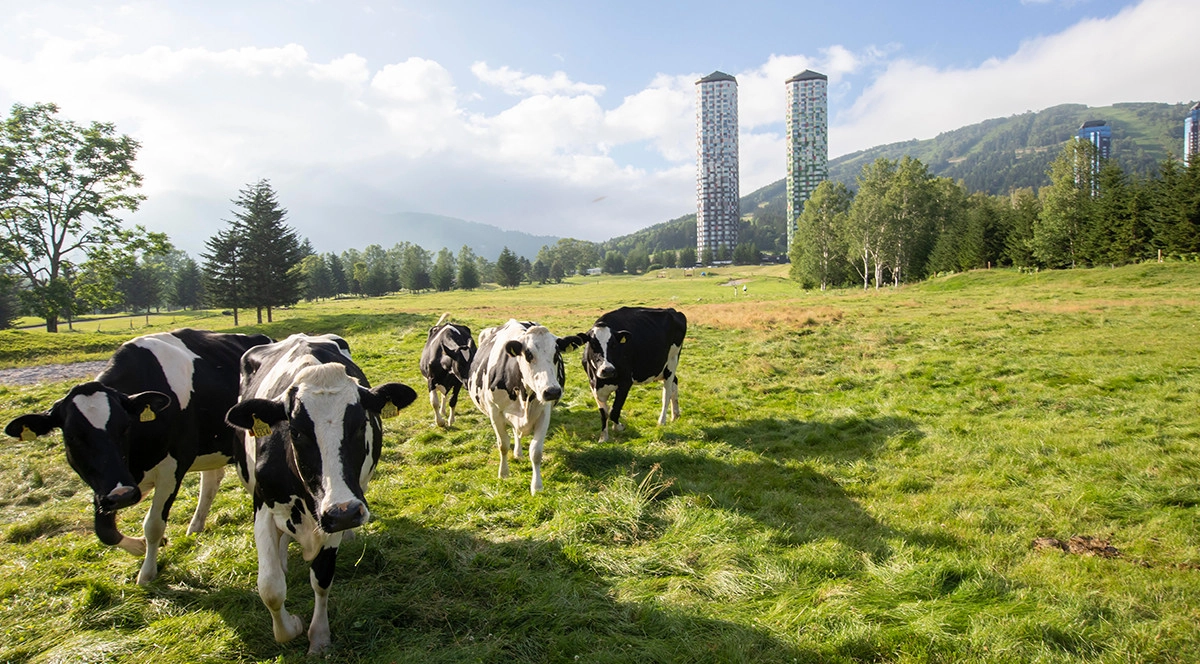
(155, 413)
(516, 379)
(633, 345)
(446, 363)
(312, 441)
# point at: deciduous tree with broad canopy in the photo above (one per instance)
(62, 187)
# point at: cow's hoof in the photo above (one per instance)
(289, 628)
(319, 648)
(619, 426)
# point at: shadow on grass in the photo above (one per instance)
(779, 489)
(346, 325)
(410, 593)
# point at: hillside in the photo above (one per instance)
(994, 156)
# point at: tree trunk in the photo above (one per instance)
(235, 317)
(259, 310)
(269, 314)
(52, 323)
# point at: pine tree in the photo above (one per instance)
(224, 271)
(272, 250)
(468, 269)
(443, 270)
(508, 269)
(187, 285)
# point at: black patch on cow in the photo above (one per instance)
(323, 566)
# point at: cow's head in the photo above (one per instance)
(604, 350)
(539, 354)
(458, 349)
(97, 423)
(331, 426)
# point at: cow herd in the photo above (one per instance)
(301, 423)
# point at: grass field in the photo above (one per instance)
(856, 477)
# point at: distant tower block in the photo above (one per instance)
(1191, 135)
(807, 141)
(1099, 134)
(717, 197)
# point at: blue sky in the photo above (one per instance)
(559, 118)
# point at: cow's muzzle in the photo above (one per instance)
(607, 370)
(551, 394)
(119, 498)
(343, 516)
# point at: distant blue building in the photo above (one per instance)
(1191, 135)
(1099, 134)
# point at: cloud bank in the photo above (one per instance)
(552, 155)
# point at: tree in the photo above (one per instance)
(141, 288)
(818, 249)
(1066, 205)
(443, 270)
(337, 275)
(746, 253)
(273, 249)
(687, 257)
(508, 269)
(1018, 246)
(541, 272)
(614, 262)
(318, 279)
(61, 188)
(868, 220)
(414, 275)
(557, 272)
(224, 271)
(638, 260)
(187, 285)
(468, 269)
(706, 256)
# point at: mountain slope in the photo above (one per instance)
(994, 156)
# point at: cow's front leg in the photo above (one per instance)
(614, 418)
(320, 576)
(154, 526)
(272, 582)
(500, 426)
(601, 395)
(453, 404)
(673, 381)
(210, 482)
(435, 400)
(536, 445)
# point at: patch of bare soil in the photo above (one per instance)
(51, 373)
(1080, 545)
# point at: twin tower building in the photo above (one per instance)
(717, 195)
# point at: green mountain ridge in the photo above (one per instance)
(995, 156)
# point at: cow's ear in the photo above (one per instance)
(513, 348)
(28, 427)
(573, 341)
(257, 415)
(622, 336)
(388, 399)
(144, 405)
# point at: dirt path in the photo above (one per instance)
(50, 373)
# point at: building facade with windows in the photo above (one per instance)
(1191, 135)
(807, 141)
(1099, 134)
(717, 195)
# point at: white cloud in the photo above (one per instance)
(517, 83)
(1140, 54)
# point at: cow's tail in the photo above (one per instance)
(442, 319)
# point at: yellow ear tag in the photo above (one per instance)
(147, 415)
(389, 410)
(27, 434)
(624, 339)
(260, 429)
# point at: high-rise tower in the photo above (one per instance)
(717, 198)
(1099, 134)
(1191, 135)
(807, 141)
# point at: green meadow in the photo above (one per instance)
(857, 477)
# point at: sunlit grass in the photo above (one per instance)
(857, 476)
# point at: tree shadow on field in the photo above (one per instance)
(779, 489)
(346, 325)
(405, 592)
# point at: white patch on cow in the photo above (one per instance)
(326, 391)
(538, 371)
(95, 408)
(209, 462)
(176, 360)
(603, 335)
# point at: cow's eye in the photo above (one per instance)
(528, 356)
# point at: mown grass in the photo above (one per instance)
(856, 477)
